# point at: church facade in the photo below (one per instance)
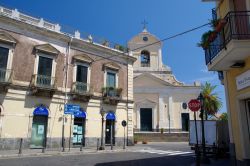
(160, 100)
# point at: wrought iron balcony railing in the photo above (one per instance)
(145, 64)
(237, 27)
(5, 75)
(80, 88)
(43, 81)
(111, 92)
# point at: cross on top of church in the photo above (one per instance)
(144, 23)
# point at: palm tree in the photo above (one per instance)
(211, 103)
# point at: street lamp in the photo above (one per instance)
(204, 158)
(102, 112)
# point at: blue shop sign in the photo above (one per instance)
(110, 116)
(80, 114)
(41, 110)
(71, 108)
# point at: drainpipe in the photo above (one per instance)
(65, 89)
(67, 64)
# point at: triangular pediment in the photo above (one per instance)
(83, 58)
(48, 48)
(145, 101)
(112, 65)
(5, 37)
(149, 80)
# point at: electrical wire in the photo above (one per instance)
(162, 40)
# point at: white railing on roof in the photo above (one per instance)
(40, 22)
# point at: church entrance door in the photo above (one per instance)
(146, 119)
(185, 121)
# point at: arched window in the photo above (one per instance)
(145, 59)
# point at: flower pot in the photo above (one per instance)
(211, 37)
(220, 25)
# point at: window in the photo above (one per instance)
(44, 71)
(82, 74)
(4, 52)
(45, 66)
(81, 81)
(145, 38)
(111, 79)
(145, 59)
(4, 56)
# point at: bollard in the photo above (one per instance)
(20, 146)
(44, 146)
(97, 147)
(63, 150)
(81, 145)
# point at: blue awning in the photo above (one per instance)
(80, 114)
(110, 116)
(41, 110)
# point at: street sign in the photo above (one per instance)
(71, 108)
(194, 105)
(124, 123)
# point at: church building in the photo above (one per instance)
(160, 99)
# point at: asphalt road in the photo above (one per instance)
(153, 154)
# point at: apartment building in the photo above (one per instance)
(43, 68)
(227, 51)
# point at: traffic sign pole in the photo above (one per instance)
(194, 105)
(124, 124)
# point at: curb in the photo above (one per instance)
(6, 156)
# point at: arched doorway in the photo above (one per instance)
(79, 128)
(39, 127)
(110, 128)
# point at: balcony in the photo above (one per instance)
(5, 76)
(5, 79)
(41, 84)
(81, 91)
(231, 44)
(111, 95)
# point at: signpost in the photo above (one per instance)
(124, 124)
(71, 109)
(194, 105)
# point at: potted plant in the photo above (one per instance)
(105, 43)
(218, 24)
(162, 130)
(136, 138)
(206, 39)
(104, 91)
(118, 92)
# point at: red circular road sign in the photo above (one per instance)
(194, 105)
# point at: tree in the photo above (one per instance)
(211, 103)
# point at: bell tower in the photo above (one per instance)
(147, 48)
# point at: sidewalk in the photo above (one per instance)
(218, 162)
(51, 152)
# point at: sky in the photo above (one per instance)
(119, 20)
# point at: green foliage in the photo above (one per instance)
(212, 103)
(204, 43)
(223, 117)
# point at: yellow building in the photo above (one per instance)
(229, 54)
(42, 69)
